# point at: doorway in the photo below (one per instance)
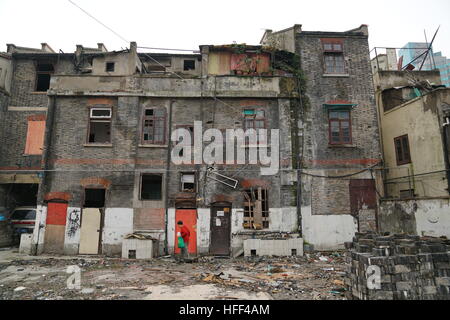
(92, 221)
(55, 227)
(363, 203)
(189, 218)
(220, 230)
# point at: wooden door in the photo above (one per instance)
(220, 230)
(363, 203)
(90, 231)
(55, 227)
(189, 218)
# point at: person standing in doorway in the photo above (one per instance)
(184, 232)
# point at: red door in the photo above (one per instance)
(189, 218)
(55, 227)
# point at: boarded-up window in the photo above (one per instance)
(35, 135)
(256, 209)
(250, 63)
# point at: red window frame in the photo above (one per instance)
(402, 150)
(340, 122)
(158, 121)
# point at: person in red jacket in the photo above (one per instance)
(185, 234)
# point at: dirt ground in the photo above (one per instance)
(317, 276)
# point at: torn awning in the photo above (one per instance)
(338, 104)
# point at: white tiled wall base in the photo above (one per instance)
(25, 243)
(273, 247)
(145, 249)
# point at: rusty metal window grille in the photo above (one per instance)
(99, 125)
(402, 150)
(256, 209)
(340, 127)
(154, 126)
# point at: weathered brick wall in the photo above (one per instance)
(330, 196)
(13, 135)
(356, 87)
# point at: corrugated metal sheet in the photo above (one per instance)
(35, 137)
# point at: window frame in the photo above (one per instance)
(162, 185)
(100, 119)
(349, 120)
(195, 181)
(113, 63)
(334, 53)
(154, 118)
(265, 214)
(37, 63)
(404, 160)
(255, 118)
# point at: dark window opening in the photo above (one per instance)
(100, 125)
(154, 126)
(402, 150)
(188, 182)
(293, 252)
(256, 209)
(110, 66)
(151, 187)
(43, 75)
(131, 254)
(407, 193)
(189, 65)
(94, 198)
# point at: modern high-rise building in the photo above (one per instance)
(410, 55)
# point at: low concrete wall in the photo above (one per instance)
(287, 247)
(424, 217)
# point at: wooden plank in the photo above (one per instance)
(90, 231)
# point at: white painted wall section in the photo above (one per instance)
(327, 232)
(118, 223)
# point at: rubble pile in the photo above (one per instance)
(398, 267)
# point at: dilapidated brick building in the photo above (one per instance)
(339, 132)
(98, 126)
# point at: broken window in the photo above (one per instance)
(154, 126)
(405, 194)
(340, 129)
(402, 150)
(43, 74)
(94, 198)
(188, 65)
(100, 125)
(151, 187)
(333, 53)
(256, 209)
(188, 182)
(35, 136)
(110, 67)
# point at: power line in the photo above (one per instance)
(99, 21)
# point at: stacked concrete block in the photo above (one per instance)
(285, 247)
(398, 267)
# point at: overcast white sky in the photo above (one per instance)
(188, 24)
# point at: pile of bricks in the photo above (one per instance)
(398, 267)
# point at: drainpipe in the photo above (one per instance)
(299, 161)
(445, 134)
(166, 197)
(45, 157)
